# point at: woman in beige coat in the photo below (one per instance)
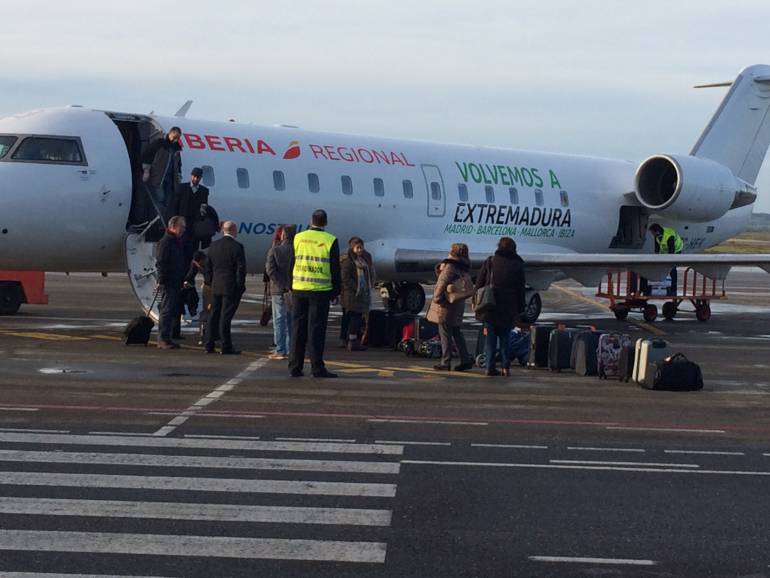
(452, 272)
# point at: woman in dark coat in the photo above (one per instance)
(505, 272)
(449, 316)
(357, 274)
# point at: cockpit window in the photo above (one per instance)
(6, 142)
(49, 150)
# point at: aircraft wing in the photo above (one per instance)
(589, 268)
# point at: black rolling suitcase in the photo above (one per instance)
(626, 362)
(538, 345)
(376, 329)
(585, 346)
(560, 349)
(138, 330)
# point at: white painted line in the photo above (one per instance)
(197, 546)
(117, 433)
(413, 443)
(577, 560)
(48, 575)
(512, 446)
(162, 460)
(194, 511)
(19, 409)
(25, 430)
(209, 398)
(209, 414)
(579, 467)
(666, 429)
(650, 464)
(704, 453)
(304, 487)
(138, 441)
(337, 440)
(223, 437)
(582, 449)
(427, 421)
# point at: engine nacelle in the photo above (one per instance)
(686, 188)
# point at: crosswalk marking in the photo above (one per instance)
(194, 511)
(198, 546)
(310, 488)
(160, 460)
(195, 443)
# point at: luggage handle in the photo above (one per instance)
(677, 357)
(154, 299)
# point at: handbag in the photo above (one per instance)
(675, 373)
(484, 297)
(267, 307)
(460, 289)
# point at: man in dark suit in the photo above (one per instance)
(226, 270)
(191, 200)
(171, 267)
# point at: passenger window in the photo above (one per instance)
(208, 179)
(513, 192)
(243, 178)
(564, 198)
(49, 150)
(6, 143)
(539, 198)
(279, 181)
(435, 191)
(489, 190)
(408, 189)
(379, 188)
(462, 191)
(313, 184)
(347, 185)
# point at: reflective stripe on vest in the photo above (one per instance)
(678, 241)
(312, 261)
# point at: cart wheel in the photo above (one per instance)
(481, 360)
(703, 312)
(650, 313)
(621, 313)
(669, 310)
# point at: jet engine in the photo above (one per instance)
(686, 188)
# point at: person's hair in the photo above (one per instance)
(175, 221)
(319, 218)
(352, 242)
(506, 244)
(289, 231)
(459, 250)
(175, 129)
(277, 235)
(656, 228)
(229, 227)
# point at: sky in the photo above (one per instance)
(596, 77)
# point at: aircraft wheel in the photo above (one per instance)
(11, 298)
(650, 313)
(411, 298)
(621, 313)
(669, 310)
(703, 312)
(533, 309)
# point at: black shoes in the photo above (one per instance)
(230, 352)
(492, 373)
(167, 345)
(441, 367)
(465, 366)
(324, 373)
(296, 373)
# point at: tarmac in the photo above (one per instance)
(118, 461)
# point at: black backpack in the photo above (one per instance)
(675, 373)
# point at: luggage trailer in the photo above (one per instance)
(622, 290)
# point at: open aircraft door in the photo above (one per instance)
(142, 271)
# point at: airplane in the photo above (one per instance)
(73, 198)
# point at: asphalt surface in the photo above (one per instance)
(130, 461)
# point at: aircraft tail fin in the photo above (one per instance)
(738, 134)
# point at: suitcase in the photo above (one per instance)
(608, 353)
(538, 345)
(626, 363)
(675, 373)
(648, 351)
(518, 347)
(376, 328)
(560, 349)
(138, 330)
(394, 328)
(585, 346)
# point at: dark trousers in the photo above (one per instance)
(355, 324)
(223, 308)
(168, 313)
(447, 334)
(310, 316)
(497, 335)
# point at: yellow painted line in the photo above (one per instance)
(106, 337)
(596, 303)
(418, 369)
(379, 372)
(47, 336)
(348, 365)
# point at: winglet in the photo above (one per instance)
(182, 112)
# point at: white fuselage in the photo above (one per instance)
(392, 193)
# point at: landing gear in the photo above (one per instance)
(11, 298)
(533, 308)
(403, 297)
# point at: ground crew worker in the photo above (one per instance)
(667, 241)
(315, 281)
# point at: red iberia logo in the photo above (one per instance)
(293, 151)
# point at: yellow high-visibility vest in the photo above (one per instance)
(312, 261)
(663, 243)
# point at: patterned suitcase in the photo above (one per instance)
(608, 353)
